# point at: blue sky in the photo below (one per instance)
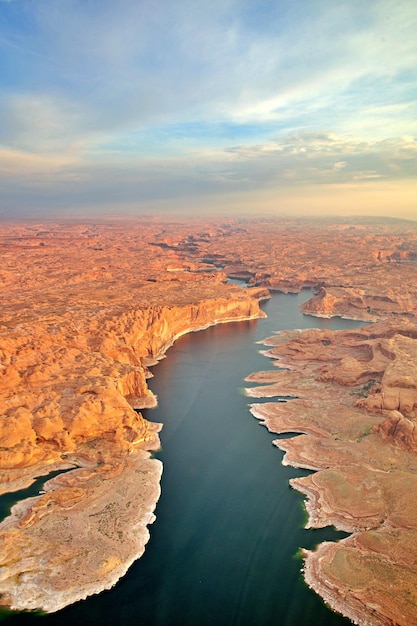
(305, 106)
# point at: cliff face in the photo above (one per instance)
(69, 399)
(76, 343)
(89, 307)
(147, 333)
(60, 389)
(357, 303)
(398, 388)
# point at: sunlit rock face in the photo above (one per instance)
(88, 308)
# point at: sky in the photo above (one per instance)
(285, 107)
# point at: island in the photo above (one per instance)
(90, 306)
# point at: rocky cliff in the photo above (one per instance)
(61, 387)
(75, 350)
(88, 307)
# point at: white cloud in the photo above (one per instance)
(305, 159)
(97, 91)
(36, 122)
(325, 157)
(133, 64)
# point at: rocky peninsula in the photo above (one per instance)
(89, 310)
(89, 307)
(354, 398)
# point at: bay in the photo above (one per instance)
(223, 549)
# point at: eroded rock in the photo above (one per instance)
(89, 307)
(355, 401)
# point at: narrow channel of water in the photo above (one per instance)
(7, 500)
(223, 548)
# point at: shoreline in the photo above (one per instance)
(357, 497)
(91, 305)
(88, 526)
(32, 518)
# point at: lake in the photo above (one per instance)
(223, 550)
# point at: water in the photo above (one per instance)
(7, 500)
(223, 549)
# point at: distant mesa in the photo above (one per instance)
(90, 307)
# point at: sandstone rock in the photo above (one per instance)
(90, 306)
(355, 401)
(76, 342)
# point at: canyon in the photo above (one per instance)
(358, 437)
(89, 307)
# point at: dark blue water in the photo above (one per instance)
(7, 500)
(223, 549)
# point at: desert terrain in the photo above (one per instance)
(88, 307)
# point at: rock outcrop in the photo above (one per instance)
(358, 269)
(353, 396)
(89, 307)
(76, 344)
(81, 535)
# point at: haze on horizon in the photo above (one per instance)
(235, 106)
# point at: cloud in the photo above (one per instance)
(18, 165)
(151, 101)
(40, 122)
(131, 65)
(309, 157)
(302, 160)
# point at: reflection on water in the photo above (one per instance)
(223, 550)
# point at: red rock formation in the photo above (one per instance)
(75, 345)
(90, 306)
(399, 430)
(81, 535)
(356, 401)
